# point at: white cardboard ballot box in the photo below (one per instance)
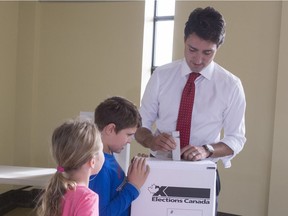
(177, 188)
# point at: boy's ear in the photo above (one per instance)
(110, 128)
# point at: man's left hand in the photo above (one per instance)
(194, 153)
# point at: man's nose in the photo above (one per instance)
(197, 58)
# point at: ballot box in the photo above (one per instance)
(177, 188)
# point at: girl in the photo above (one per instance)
(77, 150)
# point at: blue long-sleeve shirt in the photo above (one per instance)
(115, 193)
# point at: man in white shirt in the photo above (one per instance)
(219, 103)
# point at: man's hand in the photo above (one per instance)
(163, 142)
(194, 153)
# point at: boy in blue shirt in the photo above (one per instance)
(117, 119)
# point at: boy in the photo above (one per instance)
(117, 119)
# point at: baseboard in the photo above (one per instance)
(226, 214)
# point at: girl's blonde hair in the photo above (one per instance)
(74, 143)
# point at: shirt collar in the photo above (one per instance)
(207, 72)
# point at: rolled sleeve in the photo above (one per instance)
(234, 124)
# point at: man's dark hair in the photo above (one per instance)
(119, 111)
(207, 24)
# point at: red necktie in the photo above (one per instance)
(185, 110)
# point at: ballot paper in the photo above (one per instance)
(176, 154)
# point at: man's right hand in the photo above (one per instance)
(163, 142)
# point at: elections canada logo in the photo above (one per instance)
(173, 194)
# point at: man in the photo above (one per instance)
(219, 100)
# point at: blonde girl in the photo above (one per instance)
(78, 151)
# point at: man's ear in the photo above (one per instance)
(109, 129)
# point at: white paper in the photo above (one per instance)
(176, 154)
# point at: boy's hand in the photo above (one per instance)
(138, 172)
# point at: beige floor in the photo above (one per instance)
(21, 212)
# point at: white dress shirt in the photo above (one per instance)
(219, 104)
